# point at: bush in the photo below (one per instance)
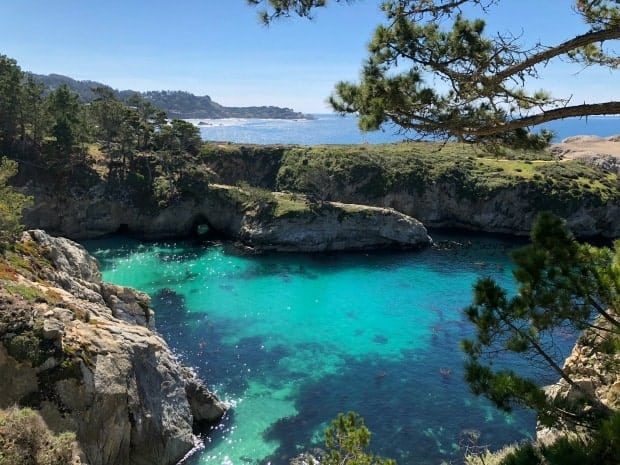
(25, 439)
(11, 204)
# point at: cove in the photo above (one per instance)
(290, 340)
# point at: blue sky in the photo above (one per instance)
(219, 48)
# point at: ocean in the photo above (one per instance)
(291, 340)
(336, 129)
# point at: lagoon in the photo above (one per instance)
(290, 340)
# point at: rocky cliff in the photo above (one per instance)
(84, 353)
(329, 226)
(594, 366)
(257, 218)
(226, 184)
(457, 189)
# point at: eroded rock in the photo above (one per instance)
(88, 359)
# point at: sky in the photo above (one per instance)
(219, 47)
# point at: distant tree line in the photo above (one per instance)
(176, 103)
(57, 127)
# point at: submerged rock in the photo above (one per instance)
(84, 354)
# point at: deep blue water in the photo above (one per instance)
(335, 129)
(291, 340)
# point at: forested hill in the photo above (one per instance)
(176, 104)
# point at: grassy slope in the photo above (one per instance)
(414, 166)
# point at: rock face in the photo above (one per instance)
(84, 353)
(336, 226)
(97, 209)
(441, 204)
(593, 366)
(325, 226)
(507, 211)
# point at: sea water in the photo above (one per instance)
(291, 340)
(336, 129)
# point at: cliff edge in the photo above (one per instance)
(84, 354)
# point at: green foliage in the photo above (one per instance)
(561, 284)
(487, 97)
(25, 439)
(30, 293)
(64, 109)
(178, 137)
(372, 171)
(11, 205)
(25, 347)
(601, 448)
(164, 190)
(346, 441)
(10, 78)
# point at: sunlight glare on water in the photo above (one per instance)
(291, 340)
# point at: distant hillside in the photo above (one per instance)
(177, 104)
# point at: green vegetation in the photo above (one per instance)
(487, 97)
(30, 293)
(374, 171)
(601, 448)
(11, 205)
(25, 439)
(562, 284)
(346, 441)
(25, 347)
(177, 104)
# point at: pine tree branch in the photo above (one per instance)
(605, 108)
(552, 52)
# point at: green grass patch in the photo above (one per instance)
(30, 293)
(290, 205)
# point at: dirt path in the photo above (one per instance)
(603, 152)
(588, 147)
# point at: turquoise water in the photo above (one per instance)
(291, 340)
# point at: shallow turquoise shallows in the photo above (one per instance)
(291, 340)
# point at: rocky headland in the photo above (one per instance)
(256, 218)
(453, 187)
(84, 353)
(271, 196)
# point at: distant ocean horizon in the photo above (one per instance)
(335, 129)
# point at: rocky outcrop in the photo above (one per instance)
(602, 152)
(335, 226)
(230, 211)
(593, 365)
(444, 202)
(507, 211)
(83, 352)
(459, 198)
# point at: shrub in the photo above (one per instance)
(25, 439)
(11, 204)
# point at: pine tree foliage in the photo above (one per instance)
(347, 439)
(484, 78)
(11, 204)
(562, 285)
